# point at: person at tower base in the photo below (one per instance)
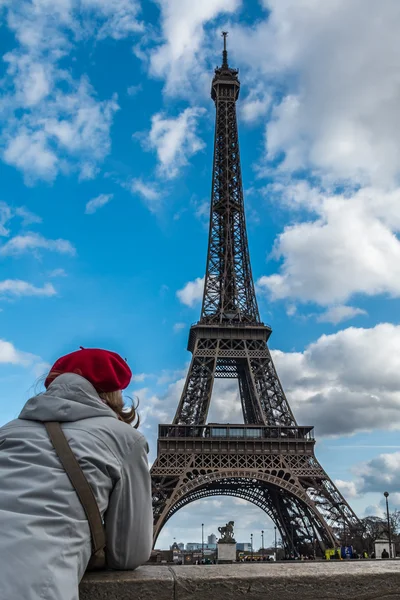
(46, 540)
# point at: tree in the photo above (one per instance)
(372, 528)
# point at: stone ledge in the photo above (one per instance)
(294, 581)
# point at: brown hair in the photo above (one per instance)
(114, 400)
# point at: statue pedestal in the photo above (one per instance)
(226, 553)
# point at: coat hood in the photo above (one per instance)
(69, 398)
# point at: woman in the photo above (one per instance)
(45, 540)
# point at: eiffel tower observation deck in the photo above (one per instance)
(269, 460)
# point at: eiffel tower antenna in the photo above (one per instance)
(224, 52)
(269, 460)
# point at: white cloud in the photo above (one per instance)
(88, 170)
(33, 241)
(17, 287)
(7, 213)
(225, 403)
(339, 114)
(202, 211)
(377, 475)
(28, 217)
(86, 122)
(338, 314)
(114, 18)
(57, 273)
(5, 216)
(139, 377)
(192, 292)
(341, 384)
(41, 369)
(155, 409)
(255, 105)
(348, 246)
(148, 192)
(167, 376)
(28, 150)
(375, 510)
(51, 122)
(10, 355)
(180, 59)
(291, 310)
(394, 500)
(380, 474)
(175, 139)
(178, 327)
(134, 89)
(347, 488)
(32, 78)
(93, 205)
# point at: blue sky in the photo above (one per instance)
(105, 162)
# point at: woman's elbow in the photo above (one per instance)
(129, 561)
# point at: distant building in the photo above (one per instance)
(212, 539)
(193, 546)
(243, 547)
(177, 547)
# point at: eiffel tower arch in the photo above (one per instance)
(268, 460)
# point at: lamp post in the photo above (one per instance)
(251, 545)
(276, 552)
(262, 542)
(386, 494)
(202, 542)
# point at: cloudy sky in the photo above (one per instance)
(106, 128)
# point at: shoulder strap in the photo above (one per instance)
(80, 483)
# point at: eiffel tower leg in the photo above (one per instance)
(331, 504)
(269, 389)
(168, 475)
(298, 525)
(252, 411)
(283, 521)
(195, 400)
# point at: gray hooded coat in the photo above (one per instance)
(45, 542)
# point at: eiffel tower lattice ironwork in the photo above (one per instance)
(269, 460)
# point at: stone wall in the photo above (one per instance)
(361, 580)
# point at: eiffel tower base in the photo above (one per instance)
(274, 468)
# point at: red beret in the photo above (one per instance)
(105, 370)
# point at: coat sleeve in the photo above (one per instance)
(129, 517)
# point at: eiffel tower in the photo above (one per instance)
(269, 460)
